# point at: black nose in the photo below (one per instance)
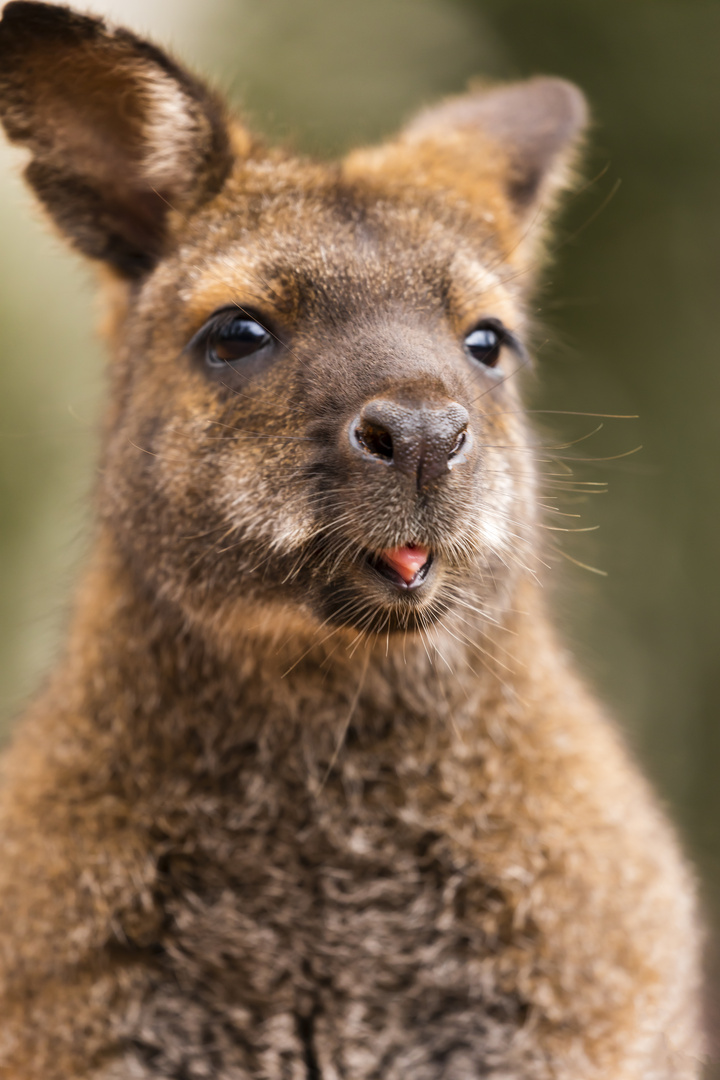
(422, 442)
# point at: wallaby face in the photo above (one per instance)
(305, 383)
(411, 853)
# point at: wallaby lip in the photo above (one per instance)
(404, 567)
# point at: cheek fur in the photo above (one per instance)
(498, 501)
(261, 512)
(241, 487)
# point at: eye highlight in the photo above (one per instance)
(485, 342)
(231, 338)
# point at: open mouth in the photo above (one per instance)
(406, 567)
(393, 589)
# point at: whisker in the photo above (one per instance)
(345, 726)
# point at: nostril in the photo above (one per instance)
(459, 444)
(375, 440)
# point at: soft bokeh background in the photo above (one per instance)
(630, 313)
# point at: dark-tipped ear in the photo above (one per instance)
(536, 124)
(117, 131)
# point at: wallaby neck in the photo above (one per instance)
(137, 666)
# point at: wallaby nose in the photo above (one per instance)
(422, 442)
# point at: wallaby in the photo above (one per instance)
(313, 791)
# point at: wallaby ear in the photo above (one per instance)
(535, 124)
(119, 134)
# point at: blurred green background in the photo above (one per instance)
(630, 316)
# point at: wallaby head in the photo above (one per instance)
(315, 401)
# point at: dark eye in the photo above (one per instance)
(234, 339)
(485, 342)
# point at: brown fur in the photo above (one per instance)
(269, 818)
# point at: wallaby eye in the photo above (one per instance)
(486, 340)
(234, 338)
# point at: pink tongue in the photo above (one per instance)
(406, 561)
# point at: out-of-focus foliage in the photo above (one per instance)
(629, 323)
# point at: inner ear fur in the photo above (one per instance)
(119, 134)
